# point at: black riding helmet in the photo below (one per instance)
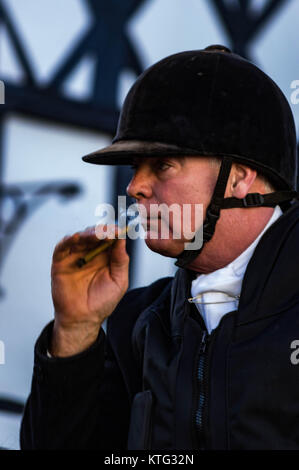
(210, 102)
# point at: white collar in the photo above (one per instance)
(226, 280)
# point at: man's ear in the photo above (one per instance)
(241, 180)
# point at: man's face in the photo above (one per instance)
(172, 180)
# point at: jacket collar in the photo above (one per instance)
(179, 305)
(270, 283)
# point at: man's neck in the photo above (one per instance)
(235, 231)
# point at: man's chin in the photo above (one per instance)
(169, 248)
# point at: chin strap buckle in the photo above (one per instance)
(253, 200)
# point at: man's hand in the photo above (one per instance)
(84, 297)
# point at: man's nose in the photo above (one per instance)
(140, 185)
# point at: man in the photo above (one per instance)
(214, 371)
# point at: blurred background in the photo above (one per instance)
(66, 67)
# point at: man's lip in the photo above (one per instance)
(147, 222)
(154, 218)
(153, 224)
(148, 219)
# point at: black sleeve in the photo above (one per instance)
(78, 402)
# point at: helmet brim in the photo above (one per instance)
(123, 152)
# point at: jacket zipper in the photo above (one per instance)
(201, 383)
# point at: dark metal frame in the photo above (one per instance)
(98, 112)
(241, 24)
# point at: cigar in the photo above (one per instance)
(103, 246)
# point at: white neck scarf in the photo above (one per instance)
(218, 292)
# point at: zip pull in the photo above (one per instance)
(204, 341)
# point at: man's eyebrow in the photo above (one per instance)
(180, 158)
(137, 160)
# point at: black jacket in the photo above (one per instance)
(157, 380)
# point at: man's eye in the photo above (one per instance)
(163, 166)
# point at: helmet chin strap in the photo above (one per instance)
(218, 202)
(212, 214)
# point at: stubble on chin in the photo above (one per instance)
(168, 248)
